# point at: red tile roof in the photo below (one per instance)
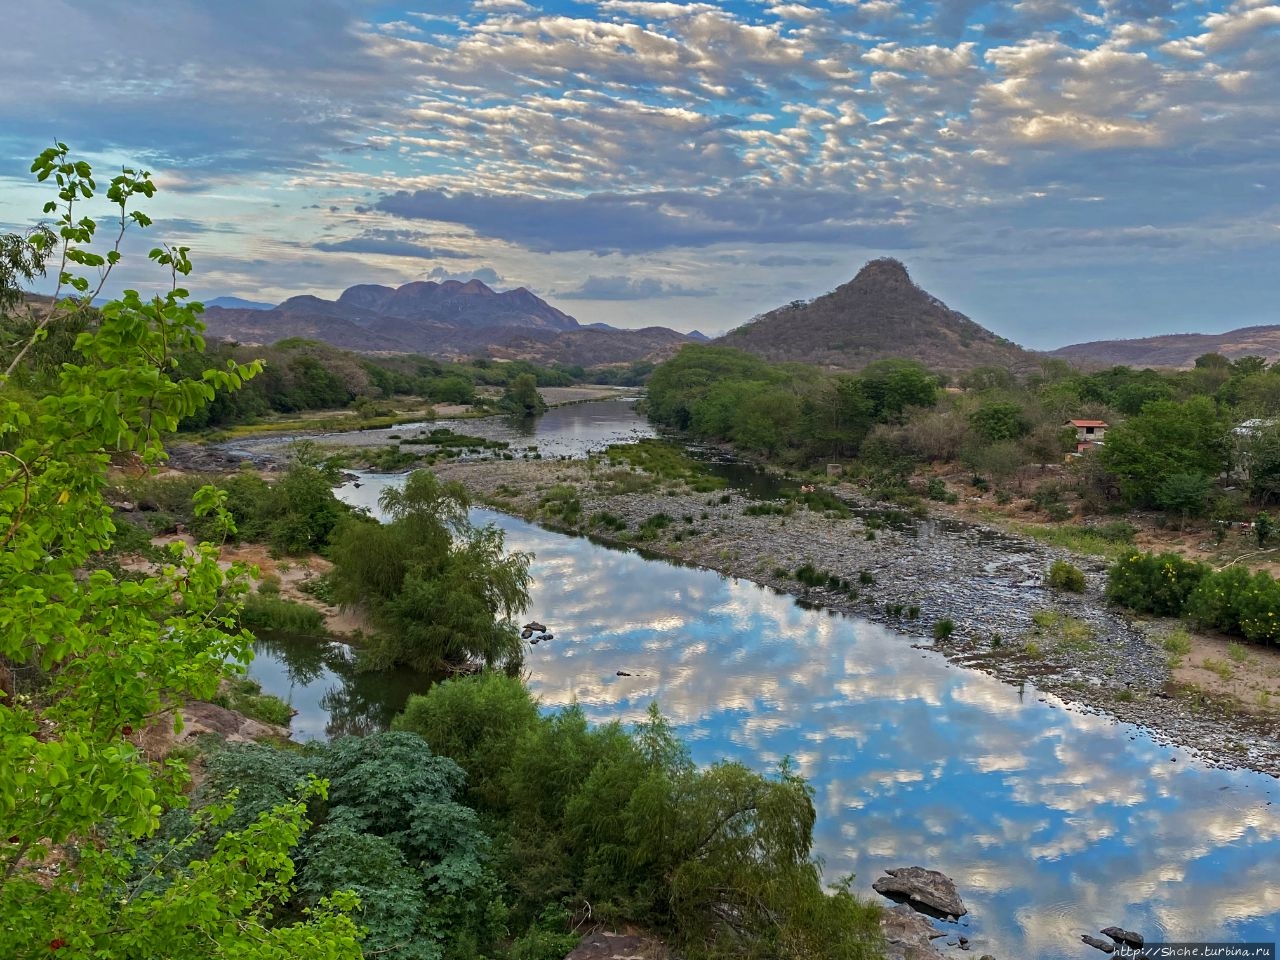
(1087, 423)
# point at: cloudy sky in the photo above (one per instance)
(1059, 171)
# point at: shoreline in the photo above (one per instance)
(985, 581)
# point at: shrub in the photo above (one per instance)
(1156, 584)
(810, 575)
(944, 628)
(1218, 599)
(1065, 576)
(562, 503)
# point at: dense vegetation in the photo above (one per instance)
(486, 822)
(440, 590)
(301, 375)
(88, 657)
(1176, 442)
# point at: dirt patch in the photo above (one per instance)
(293, 572)
(1221, 667)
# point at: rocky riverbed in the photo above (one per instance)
(974, 593)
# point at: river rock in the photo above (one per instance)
(606, 945)
(926, 890)
(1120, 935)
(1097, 944)
(907, 935)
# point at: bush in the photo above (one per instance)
(944, 628)
(1218, 601)
(1156, 584)
(1065, 576)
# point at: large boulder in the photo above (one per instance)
(907, 935)
(925, 890)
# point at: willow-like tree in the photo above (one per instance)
(88, 658)
(440, 591)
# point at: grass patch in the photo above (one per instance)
(272, 613)
(1067, 633)
(1223, 669)
(245, 696)
(651, 526)
(769, 508)
(608, 520)
(446, 439)
(1177, 644)
(665, 461)
(1090, 540)
(561, 503)
(1065, 576)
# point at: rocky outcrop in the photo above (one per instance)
(199, 717)
(925, 890)
(907, 935)
(606, 945)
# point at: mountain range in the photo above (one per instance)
(449, 319)
(880, 313)
(1175, 349)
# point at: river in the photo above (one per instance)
(1054, 822)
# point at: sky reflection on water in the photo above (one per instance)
(1053, 822)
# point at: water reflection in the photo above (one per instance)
(320, 681)
(1054, 822)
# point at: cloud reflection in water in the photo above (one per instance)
(1053, 822)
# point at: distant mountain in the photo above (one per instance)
(592, 347)
(879, 314)
(237, 303)
(450, 319)
(1176, 349)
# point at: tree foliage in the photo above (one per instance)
(1166, 438)
(717, 857)
(86, 658)
(440, 590)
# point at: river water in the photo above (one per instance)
(1053, 822)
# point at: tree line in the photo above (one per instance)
(1197, 442)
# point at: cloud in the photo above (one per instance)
(629, 288)
(391, 243)
(604, 223)
(486, 275)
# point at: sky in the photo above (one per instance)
(1057, 171)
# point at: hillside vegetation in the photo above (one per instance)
(880, 314)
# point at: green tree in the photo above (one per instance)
(894, 385)
(441, 591)
(1183, 493)
(999, 420)
(522, 398)
(718, 857)
(1166, 438)
(87, 658)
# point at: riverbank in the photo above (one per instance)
(917, 576)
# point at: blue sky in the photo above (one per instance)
(1058, 171)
